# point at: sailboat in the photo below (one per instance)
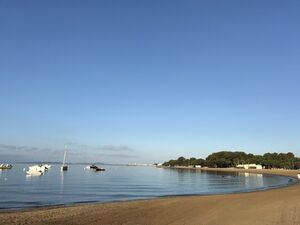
(64, 167)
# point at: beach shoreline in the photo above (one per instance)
(177, 209)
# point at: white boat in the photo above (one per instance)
(36, 170)
(64, 167)
(298, 175)
(41, 168)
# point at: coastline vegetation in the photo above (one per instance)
(226, 159)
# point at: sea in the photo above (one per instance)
(121, 183)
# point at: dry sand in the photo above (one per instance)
(272, 207)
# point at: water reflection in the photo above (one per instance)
(62, 178)
(3, 174)
(252, 179)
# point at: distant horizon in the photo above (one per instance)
(88, 162)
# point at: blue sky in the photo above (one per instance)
(145, 81)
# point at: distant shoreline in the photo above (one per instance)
(275, 206)
(281, 172)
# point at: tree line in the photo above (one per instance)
(225, 159)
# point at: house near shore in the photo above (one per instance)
(249, 166)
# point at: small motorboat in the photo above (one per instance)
(5, 166)
(95, 168)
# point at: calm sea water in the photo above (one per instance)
(120, 183)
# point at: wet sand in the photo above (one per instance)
(271, 207)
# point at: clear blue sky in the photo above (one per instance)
(143, 81)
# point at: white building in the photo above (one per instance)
(249, 166)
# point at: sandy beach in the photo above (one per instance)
(276, 206)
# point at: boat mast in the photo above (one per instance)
(65, 156)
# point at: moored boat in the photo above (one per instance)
(64, 167)
(40, 167)
(36, 170)
(95, 168)
(5, 166)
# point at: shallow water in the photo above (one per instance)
(120, 183)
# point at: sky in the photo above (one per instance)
(145, 81)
